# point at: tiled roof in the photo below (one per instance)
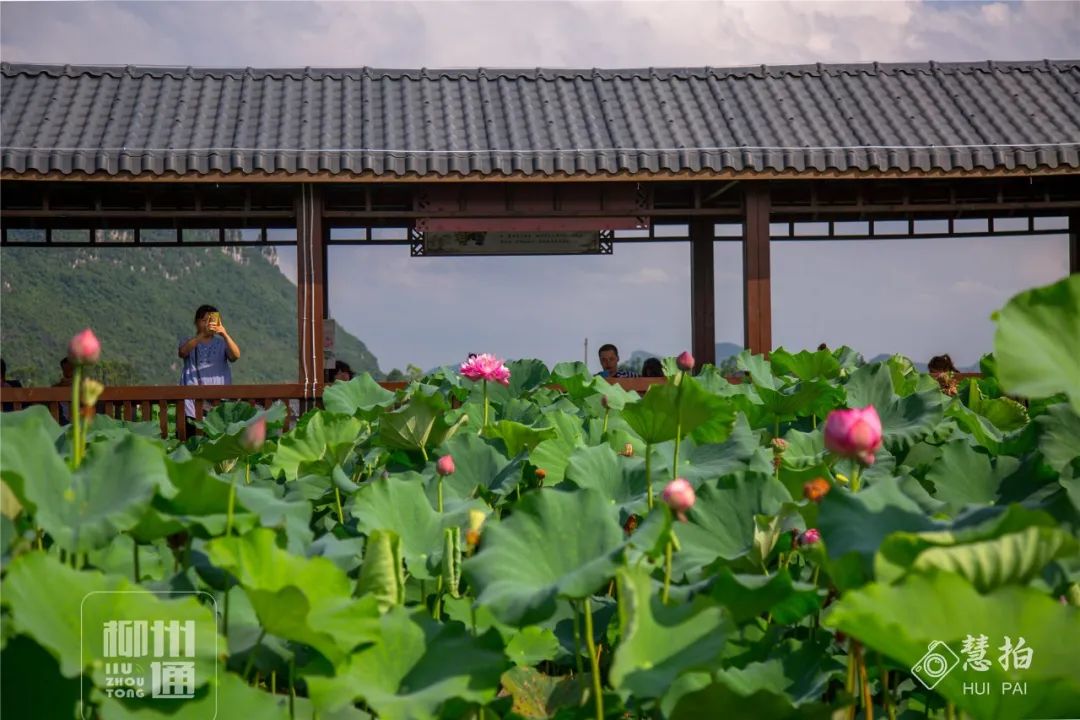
(905, 117)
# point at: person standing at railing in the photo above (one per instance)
(207, 356)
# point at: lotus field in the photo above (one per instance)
(824, 539)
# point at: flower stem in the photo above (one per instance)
(340, 512)
(678, 426)
(485, 407)
(135, 558)
(75, 411)
(667, 572)
(577, 640)
(232, 506)
(889, 709)
(607, 411)
(648, 473)
(439, 491)
(864, 681)
(594, 661)
(855, 478)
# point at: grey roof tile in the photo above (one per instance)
(904, 117)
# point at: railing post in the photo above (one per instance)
(310, 282)
(702, 291)
(1074, 242)
(757, 292)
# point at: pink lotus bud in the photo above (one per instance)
(810, 537)
(254, 435)
(854, 433)
(679, 496)
(779, 445)
(445, 465)
(685, 361)
(84, 348)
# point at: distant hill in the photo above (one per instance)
(140, 301)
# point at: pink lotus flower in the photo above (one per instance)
(445, 465)
(685, 361)
(679, 496)
(854, 433)
(810, 537)
(254, 435)
(486, 367)
(84, 348)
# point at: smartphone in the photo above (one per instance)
(213, 318)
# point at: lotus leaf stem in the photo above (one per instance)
(678, 427)
(648, 473)
(577, 640)
(251, 655)
(75, 411)
(484, 426)
(340, 512)
(890, 709)
(864, 682)
(232, 506)
(594, 660)
(135, 558)
(667, 572)
(607, 411)
(856, 478)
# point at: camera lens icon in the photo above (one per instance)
(932, 667)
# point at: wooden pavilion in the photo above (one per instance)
(751, 155)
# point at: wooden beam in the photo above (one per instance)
(702, 292)
(310, 281)
(757, 292)
(1074, 243)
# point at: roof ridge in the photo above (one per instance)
(758, 71)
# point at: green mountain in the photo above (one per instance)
(142, 301)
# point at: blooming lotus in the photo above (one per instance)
(679, 496)
(854, 433)
(486, 367)
(84, 348)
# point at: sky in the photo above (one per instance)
(917, 297)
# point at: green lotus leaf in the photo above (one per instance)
(902, 621)
(402, 506)
(721, 523)
(225, 426)
(805, 450)
(382, 574)
(741, 451)
(232, 697)
(1037, 342)
(989, 548)
(664, 411)
(539, 554)
(360, 396)
(753, 693)
(599, 468)
(414, 667)
(661, 642)
(552, 456)
(325, 441)
(759, 370)
(532, 646)
(904, 420)
(1059, 436)
(853, 525)
(28, 457)
(964, 476)
(805, 365)
(748, 596)
(346, 553)
(575, 379)
(420, 425)
(109, 493)
(50, 602)
(305, 600)
(518, 437)
(807, 397)
(28, 665)
(525, 377)
(292, 515)
(1015, 442)
(478, 463)
(1004, 413)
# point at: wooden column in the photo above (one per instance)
(702, 292)
(310, 283)
(1074, 242)
(757, 293)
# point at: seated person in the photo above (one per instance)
(652, 368)
(609, 361)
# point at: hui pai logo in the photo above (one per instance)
(150, 658)
(940, 660)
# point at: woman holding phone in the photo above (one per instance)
(207, 355)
